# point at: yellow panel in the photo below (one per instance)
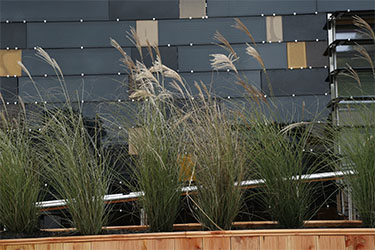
(245, 243)
(57, 246)
(147, 31)
(192, 8)
(77, 246)
(302, 242)
(9, 62)
(20, 247)
(133, 134)
(296, 55)
(188, 243)
(274, 28)
(273, 242)
(331, 242)
(187, 165)
(222, 243)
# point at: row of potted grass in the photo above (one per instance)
(66, 156)
(227, 147)
(220, 147)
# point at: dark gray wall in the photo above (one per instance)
(185, 45)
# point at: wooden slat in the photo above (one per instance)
(360, 242)
(158, 244)
(245, 243)
(309, 224)
(20, 247)
(224, 242)
(302, 242)
(77, 246)
(188, 244)
(254, 224)
(57, 246)
(273, 242)
(333, 223)
(130, 228)
(187, 226)
(118, 245)
(113, 245)
(241, 224)
(217, 243)
(194, 234)
(331, 242)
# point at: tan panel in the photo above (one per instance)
(57, 246)
(302, 242)
(158, 244)
(188, 243)
(192, 8)
(134, 133)
(186, 167)
(245, 243)
(273, 242)
(296, 55)
(222, 243)
(274, 26)
(147, 31)
(331, 242)
(20, 247)
(360, 242)
(117, 245)
(77, 246)
(9, 62)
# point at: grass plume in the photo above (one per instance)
(241, 26)
(156, 142)
(364, 27)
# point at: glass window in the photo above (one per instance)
(348, 86)
(351, 55)
(345, 28)
(356, 113)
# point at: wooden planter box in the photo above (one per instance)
(319, 239)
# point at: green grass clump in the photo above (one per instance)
(157, 171)
(157, 141)
(74, 162)
(76, 168)
(20, 187)
(279, 159)
(356, 131)
(220, 160)
(357, 145)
